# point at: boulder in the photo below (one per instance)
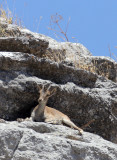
(40, 141)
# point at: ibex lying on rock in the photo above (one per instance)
(50, 115)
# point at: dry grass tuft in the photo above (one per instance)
(6, 17)
(103, 68)
(6, 14)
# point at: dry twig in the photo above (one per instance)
(88, 124)
(59, 32)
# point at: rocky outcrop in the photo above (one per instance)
(80, 94)
(27, 60)
(105, 66)
(73, 54)
(33, 141)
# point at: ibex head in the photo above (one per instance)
(45, 93)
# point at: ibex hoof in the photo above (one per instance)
(20, 120)
(81, 132)
(2, 121)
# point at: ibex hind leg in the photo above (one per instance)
(52, 121)
(72, 125)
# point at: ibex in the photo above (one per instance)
(47, 114)
(50, 115)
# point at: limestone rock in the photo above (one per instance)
(73, 54)
(40, 141)
(29, 59)
(81, 95)
(23, 44)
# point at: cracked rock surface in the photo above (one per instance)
(17, 39)
(33, 141)
(29, 59)
(81, 95)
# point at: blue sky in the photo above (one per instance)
(92, 22)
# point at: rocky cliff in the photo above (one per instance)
(86, 90)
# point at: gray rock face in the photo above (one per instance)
(81, 95)
(27, 60)
(75, 54)
(40, 141)
(105, 66)
(23, 44)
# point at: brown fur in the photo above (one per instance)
(50, 115)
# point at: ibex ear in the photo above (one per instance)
(49, 93)
(40, 88)
(53, 91)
